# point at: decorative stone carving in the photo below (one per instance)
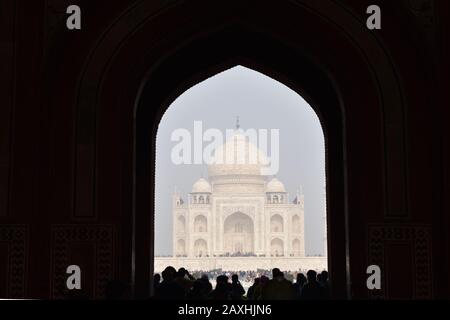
(16, 236)
(101, 237)
(419, 237)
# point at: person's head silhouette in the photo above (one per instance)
(319, 277)
(204, 277)
(311, 275)
(301, 278)
(275, 272)
(182, 271)
(169, 273)
(222, 279)
(156, 278)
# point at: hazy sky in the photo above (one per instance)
(261, 103)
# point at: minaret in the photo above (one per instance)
(176, 198)
(175, 203)
(300, 197)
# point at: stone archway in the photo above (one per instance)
(200, 223)
(213, 44)
(276, 223)
(238, 236)
(200, 248)
(276, 247)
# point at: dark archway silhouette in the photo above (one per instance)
(78, 125)
(325, 73)
(212, 54)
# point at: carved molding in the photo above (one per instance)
(99, 236)
(16, 236)
(420, 239)
(248, 210)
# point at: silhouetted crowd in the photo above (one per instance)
(178, 285)
(246, 276)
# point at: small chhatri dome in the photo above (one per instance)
(201, 186)
(275, 185)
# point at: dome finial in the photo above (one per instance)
(237, 122)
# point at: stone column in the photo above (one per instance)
(174, 233)
(287, 245)
(220, 230)
(262, 233)
(268, 233)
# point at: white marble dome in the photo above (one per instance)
(237, 156)
(201, 186)
(238, 211)
(275, 185)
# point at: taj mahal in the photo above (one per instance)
(238, 218)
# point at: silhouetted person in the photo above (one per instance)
(207, 286)
(186, 274)
(275, 272)
(237, 291)
(319, 278)
(222, 290)
(169, 289)
(325, 284)
(312, 290)
(252, 288)
(278, 288)
(183, 280)
(156, 281)
(260, 288)
(298, 285)
(197, 292)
